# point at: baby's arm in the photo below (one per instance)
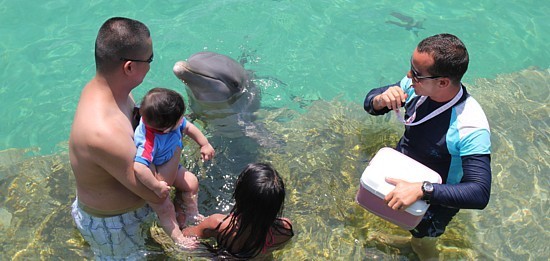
(207, 151)
(146, 176)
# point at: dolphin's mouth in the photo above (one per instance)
(234, 86)
(185, 66)
(217, 103)
(202, 74)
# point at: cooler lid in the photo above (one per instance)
(390, 163)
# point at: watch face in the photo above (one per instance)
(428, 187)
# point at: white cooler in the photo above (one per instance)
(373, 187)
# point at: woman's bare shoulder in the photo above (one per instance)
(287, 224)
(215, 219)
(207, 228)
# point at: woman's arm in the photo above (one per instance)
(205, 229)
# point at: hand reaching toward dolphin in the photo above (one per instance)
(207, 151)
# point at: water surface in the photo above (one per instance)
(315, 61)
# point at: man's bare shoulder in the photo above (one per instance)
(99, 125)
(111, 140)
(95, 128)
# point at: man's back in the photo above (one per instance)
(101, 148)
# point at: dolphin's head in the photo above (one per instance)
(212, 77)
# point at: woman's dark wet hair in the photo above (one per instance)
(162, 108)
(259, 200)
(449, 53)
(120, 37)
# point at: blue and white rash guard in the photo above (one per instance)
(154, 146)
(456, 144)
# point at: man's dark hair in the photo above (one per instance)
(119, 37)
(449, 54)
(162, 108)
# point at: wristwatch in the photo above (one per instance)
(427, 190)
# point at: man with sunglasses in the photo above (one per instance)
(109, 209)
(445, 129)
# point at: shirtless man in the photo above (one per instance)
(110, 206)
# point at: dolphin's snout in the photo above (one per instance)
(179, 68)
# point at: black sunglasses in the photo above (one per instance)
(418, 77)
(136, 60)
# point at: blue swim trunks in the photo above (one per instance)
(120, 237)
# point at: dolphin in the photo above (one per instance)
(222, 94)
(217, 82)
(407, 22)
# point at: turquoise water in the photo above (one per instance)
(318, 49)
(304, 52)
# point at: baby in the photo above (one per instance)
(157, 137)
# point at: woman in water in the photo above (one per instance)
(254, 226)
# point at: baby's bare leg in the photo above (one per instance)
(166, 211)
(187, 188)
(167, 218)
(168, 171)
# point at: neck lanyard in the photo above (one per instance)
(409, 121)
